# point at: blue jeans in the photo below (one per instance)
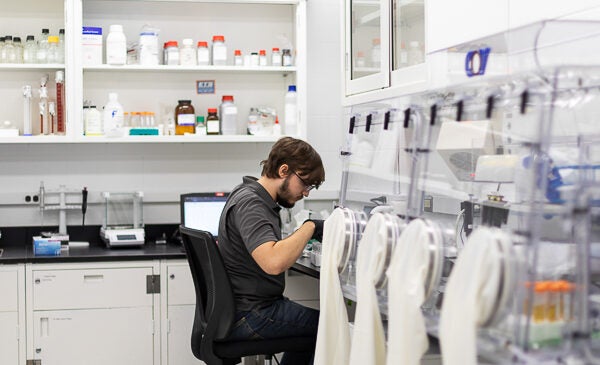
(283, 318)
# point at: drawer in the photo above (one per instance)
(180, 286)
(90, 288)
(9, 293)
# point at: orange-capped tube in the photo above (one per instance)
(566, 300)
(540, 300)
(552, 309)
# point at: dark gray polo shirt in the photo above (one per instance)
(249, 219)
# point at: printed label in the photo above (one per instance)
(186, 119)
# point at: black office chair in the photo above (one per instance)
(215, 309)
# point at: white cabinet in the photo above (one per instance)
(178, 303)
(12, 314)
(94, 313)
(384, 46)
(248, 25)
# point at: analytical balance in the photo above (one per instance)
(123, 219)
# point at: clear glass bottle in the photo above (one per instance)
(52, 52)
(30, 50)
(2, 50)
(61, 44)
(18, 49)
(213, 126)
(185, 118)
(275, 57)
(203, 54)
(253, 122)
(254, 59)
(42, 50)
(93, 121)
(187, 53)
(219, 51)
(286, 57)
(9, 49)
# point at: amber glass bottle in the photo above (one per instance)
(185, 118)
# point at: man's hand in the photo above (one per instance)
(318, 233)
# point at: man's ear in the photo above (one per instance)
(284, 170)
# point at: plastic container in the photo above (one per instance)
(113, 116)
(187, 53)
(200, 125)
(291, 111)
(203, 54)
(228, 112)
(238, 60)
(116, 46)
(219, 51)
(93, 122)
(262, 57)
(212, 122)
(415, 55)
(148, 46)
(275, 57)
(185, 118)
(277, 128)
(376, 53)
(171, 53)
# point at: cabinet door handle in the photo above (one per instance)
(38, 350)
(93, 278)
(172, 276)
(44, 327)
(37, 281)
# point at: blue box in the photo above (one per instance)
(46, 246)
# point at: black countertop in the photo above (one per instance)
(16, 245)
(94, 252)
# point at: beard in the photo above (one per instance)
(285, 197)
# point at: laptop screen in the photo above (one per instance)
(202, 211)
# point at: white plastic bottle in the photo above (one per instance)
(113, 116)
(219, 51)
(228, 116)
(187, 53)
(291, 112)
(116, 46)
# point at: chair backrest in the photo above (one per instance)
(215, 306)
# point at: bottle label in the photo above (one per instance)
(212, 126)
(186, 119)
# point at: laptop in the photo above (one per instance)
(202, 211)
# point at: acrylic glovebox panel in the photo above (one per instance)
(375, 162)
(518, 150)
(530, 48)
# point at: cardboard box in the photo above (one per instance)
(46, 246)
(91, 46)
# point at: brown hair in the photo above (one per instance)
(300, 156)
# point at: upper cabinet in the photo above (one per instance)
(384, 45)
(149, 92)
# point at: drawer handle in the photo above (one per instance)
(93, 278)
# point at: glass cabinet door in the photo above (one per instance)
(367, 45)
(408, 43)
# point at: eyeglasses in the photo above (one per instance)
(307, 187)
